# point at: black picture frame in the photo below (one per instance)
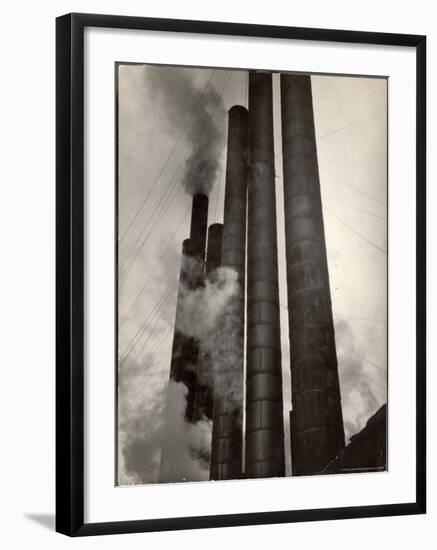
(70, 273)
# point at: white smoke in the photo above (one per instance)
(210, 314)
(202, 308)
(151, 410)
(187, 443)
(142, 385)
(151, 415)
(358, 391)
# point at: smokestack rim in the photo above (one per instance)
(238, 109)
(200, 197)
(215, 226)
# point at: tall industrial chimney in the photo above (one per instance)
(185, 350)
(227, 439)
(199, 222)
(317, 433)
(264, 408)
(214, 248)
(184, 353)
(203, 401)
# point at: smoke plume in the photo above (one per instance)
(141, 401)
(359, 399)
(151, 414)
(151, 410)
(209, 314)
(188, 443)
(202, 308)
(194, 104)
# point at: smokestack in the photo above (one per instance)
(317, 433)
(199, 221)
(264, 408)
(214, 249)
(183, 358)
(203, 401)
(227, 439)
(185, 350)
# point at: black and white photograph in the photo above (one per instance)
(217, 261)
(251, 274)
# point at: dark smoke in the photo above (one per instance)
(199, 108)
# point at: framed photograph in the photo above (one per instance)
(240, 274)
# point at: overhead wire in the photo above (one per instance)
(371, 363)
(352, 186)
(366, 319)
(352, 103)
(151, 331)
(156, 346)
(169, 157)
(126, 316)
(170, 194)
(158, 306)
(147, 330)
(172, 186)
(355, 232)
(143, 326)
(349, 124)
(354, 207)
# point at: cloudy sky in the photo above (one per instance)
(167, 116)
